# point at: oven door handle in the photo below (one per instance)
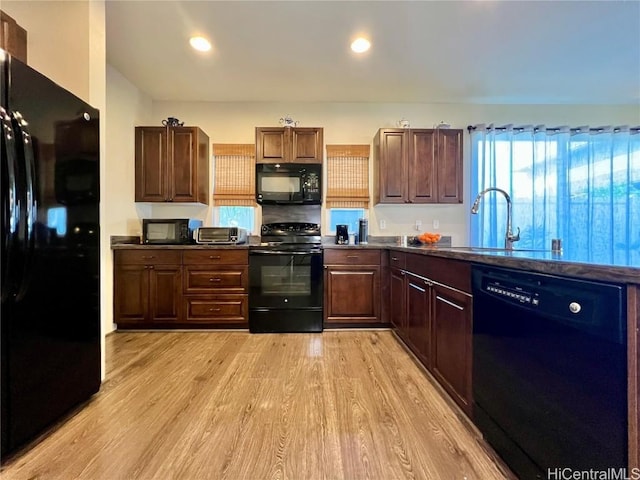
(284, 252)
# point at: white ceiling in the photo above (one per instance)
(477, 51)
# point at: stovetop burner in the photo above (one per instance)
(277, 234)
(290, 228)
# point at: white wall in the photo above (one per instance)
(127, 107)
(59, 39)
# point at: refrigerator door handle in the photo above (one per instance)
(25, 140)
(10, 206)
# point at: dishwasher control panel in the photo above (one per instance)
(514, 293)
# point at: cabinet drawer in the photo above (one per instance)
(204, 279)
(216, 257)
(216, 308)
(148, 257)
(397, 259)
(352, 256)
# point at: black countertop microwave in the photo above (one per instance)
(169, 231)
(289, 183)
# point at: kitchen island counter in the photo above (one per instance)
(536, 261)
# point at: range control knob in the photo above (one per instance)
(575, 307)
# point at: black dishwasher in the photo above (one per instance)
(550, 371)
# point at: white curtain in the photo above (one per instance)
(578, 184)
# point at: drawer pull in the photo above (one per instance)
(395, 259)
(352, 256)
(214, 309)
(214, 279)
(215, 257)
(438, 297)
(148, 257)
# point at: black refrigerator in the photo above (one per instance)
(50, 285)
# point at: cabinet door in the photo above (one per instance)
(393, 165)
(13, 38)
(422, 166)
(352, 294)
(271, 145)
(451, 359)
(419, 317)
(152, 175)
(449, 166)
(397, 292)
(131, 290)
(183, 161)
(306, 145)
(165, 293)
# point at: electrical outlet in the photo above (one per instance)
(418, 225)
(436, 224)
(383, 224)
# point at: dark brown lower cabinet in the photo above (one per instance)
(216, 283)
(451, 359)
(397, 303)
(433, 318)
(352, 287)
(147, 288)
(181, 288)
(418, 326)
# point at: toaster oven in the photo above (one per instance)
(221, 235)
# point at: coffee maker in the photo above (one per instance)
(342, 234)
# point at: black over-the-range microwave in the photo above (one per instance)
(289, 183)
(169, 231)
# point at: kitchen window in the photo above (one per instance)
(242, 217)
(347, 197)
(345, 216)
(578, 184)
(234, 185)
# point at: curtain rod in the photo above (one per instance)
(471, 128)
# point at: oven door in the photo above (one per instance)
(282, 279)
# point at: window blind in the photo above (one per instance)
(347, 176)
(234, 174)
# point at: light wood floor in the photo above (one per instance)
(234, 405)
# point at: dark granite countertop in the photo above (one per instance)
(536, 261)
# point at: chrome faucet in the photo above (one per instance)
(509, 237)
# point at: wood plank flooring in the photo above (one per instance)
(234, 405)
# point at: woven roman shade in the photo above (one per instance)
(234, 174)
(347, 176)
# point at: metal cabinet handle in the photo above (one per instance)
(438, 297)
(214, 279)
(215, 257)
(148, 256)
(352, 256)
(395, 259)
(214, 309)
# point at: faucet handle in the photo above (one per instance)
(516, 237)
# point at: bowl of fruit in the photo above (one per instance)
(428, 238)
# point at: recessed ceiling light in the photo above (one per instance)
(200, 43)
(360, 45)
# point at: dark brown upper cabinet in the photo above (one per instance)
(13, 38)
(289, 145)
(172, 165)
(418, 165)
